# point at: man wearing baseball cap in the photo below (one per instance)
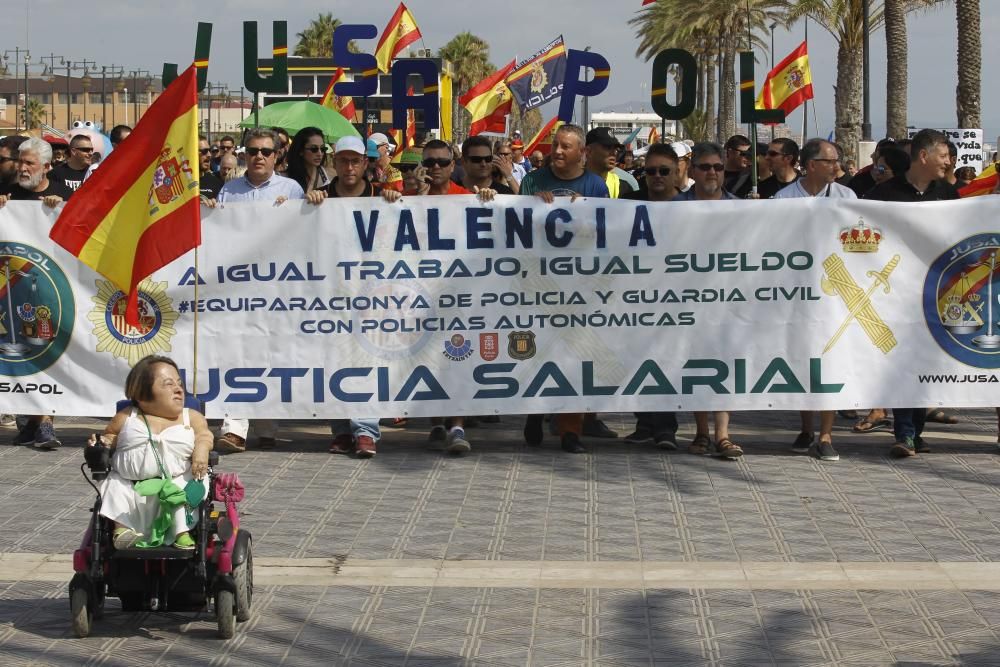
(349, 159)
(385, 176)
(517, 148)
(602, 159)
(683, 151)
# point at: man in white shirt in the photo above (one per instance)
(820, 160)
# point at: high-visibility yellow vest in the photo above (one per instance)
(614, 184)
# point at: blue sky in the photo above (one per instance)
(143, 34)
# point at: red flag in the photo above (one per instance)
(543, 140)
(343, 105)
(489, 101)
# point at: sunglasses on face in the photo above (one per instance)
(436, 162)
(203, 151)
(315, 149)
(83, 149)
(4, 160)
(775, 153)
(657, 171)
(215, 149)
(479, 159)
(707, 167)
(406, 168)
(227, 147)
(266, 152)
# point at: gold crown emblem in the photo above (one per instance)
(860, 238)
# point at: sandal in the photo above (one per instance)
(867, 425)
(727, 449)
(125, 538)
(699, 446)
(941, 417)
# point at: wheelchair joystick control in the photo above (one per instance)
(98, 458)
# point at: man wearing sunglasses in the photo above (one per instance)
(707, 169)
(259, 183)
(478, 161)
(782, 156)
(659, 183)
(74, 170)
(8, 161)
(603, 149)
(208, 183)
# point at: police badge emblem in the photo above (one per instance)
(521, 345)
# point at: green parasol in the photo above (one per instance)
(293, 116)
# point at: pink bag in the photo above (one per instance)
(228, 488)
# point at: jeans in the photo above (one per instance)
(356, 427)
(908, 422)
(656, 422)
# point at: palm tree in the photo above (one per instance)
(970, 63)
(469, 56)
(716, 26)
(36, 112)
(896, 62)
(316, 41)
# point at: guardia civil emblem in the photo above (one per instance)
(961, 301)
(120, 339)
(858, 301)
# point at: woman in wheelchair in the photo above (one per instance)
(159, 460)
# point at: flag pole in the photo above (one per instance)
(752, 121)
(805, 103)
(194, 352)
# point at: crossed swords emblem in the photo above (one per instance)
(838, 281)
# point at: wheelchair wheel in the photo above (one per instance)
(81, 615)
(225, 613)
(243, 574)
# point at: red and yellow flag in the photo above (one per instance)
(543, 140)
(789, 84)
(983, 184)
(654, 136)
(342, 105)
(489, 101)
(410, 138)
(141, 210)
(399, 34)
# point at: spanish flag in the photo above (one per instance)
(141, 210)
(543, 140)
(789, 84)
(343, 105)
(984, 184)
(403, 142)
(399, 34)
(488, 102)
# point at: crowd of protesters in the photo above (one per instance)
(272, 166)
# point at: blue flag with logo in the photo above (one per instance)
(539, 79)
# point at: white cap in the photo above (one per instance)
(380, 139)
(681, 148)
(349, 144)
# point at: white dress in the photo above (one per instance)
(133, 461)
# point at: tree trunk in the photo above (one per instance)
(710, 89)
(970, 63)
(700, 99)
(727, 94)
(847, 99)
(896, 69)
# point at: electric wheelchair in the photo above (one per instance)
(167, 579)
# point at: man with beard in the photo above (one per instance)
(8, 161)
(208, 183)
(34, 164)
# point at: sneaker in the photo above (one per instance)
(437, 437)
(26, 435)
(595, 428)
(533, 431)
(824, 451)
(266, 442)
(45, 437)
(365, 448)
(666, 440)
(921, 447)
(639, 437)
(457, 444)
(342, 444)
(8, 420)
(803, 442)
(230, 443)
(902, 449)
(571, 443)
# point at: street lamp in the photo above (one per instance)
(772, 26)
(125, 90)
(85, 83)
(50, 69)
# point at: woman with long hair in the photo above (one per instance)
(305, 159)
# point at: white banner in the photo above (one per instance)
(969, 143)
(442, 305)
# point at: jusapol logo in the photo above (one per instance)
(962, 302)
(36, 310)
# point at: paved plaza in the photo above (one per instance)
(515, 555)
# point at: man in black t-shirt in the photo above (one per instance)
(8, 161)
(477, 160)
(208, 183)
(782, 156)
(72, 173)
(33, 183)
